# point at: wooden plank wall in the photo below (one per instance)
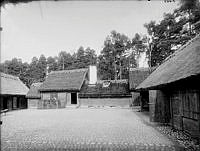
(159, 106)
(185, 109)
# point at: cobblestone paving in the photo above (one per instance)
(80, 129)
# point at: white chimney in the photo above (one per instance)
(92, 74)
(142, 60)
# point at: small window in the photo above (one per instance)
(106, 84)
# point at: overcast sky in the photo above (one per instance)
(48, 27)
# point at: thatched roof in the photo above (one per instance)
(65, 80)
(12, 85)
(33, 91)
(184, 63)
(106, 88)
(137, 76)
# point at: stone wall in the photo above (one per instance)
(118, 102)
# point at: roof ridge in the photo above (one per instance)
(69, 71)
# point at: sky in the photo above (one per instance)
(48, 27)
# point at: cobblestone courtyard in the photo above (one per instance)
(79, 129)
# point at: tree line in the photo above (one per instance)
(119, 52)
(36, 70)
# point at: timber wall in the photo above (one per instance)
(55, 100)
(52, 100)
(179, 108)
(185, 110)
(159, 106)
(33, 103)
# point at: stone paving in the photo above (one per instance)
(79, 129)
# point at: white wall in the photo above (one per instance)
(143, 61)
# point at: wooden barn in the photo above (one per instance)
(174, 89)
(139, 98)
(61, 88)
(33, 95)
(12, 93)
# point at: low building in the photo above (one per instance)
(12, 93)
(110, 93)
(139, 98)
(61, 88)
(33, 95)
(174, 89)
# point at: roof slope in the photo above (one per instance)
(33, 91)
(65, 80)
(12, 85)
(137, 76)
(185, 62)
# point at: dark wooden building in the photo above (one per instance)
(174, 89)
(137, 76)
(61, 88)
(12, 92)
(33, 95)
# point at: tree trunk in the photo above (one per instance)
(190, 26)
(63, 66)
(120, 72)
(115, 69)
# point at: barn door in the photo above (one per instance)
(176, 111)
(73, 98)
